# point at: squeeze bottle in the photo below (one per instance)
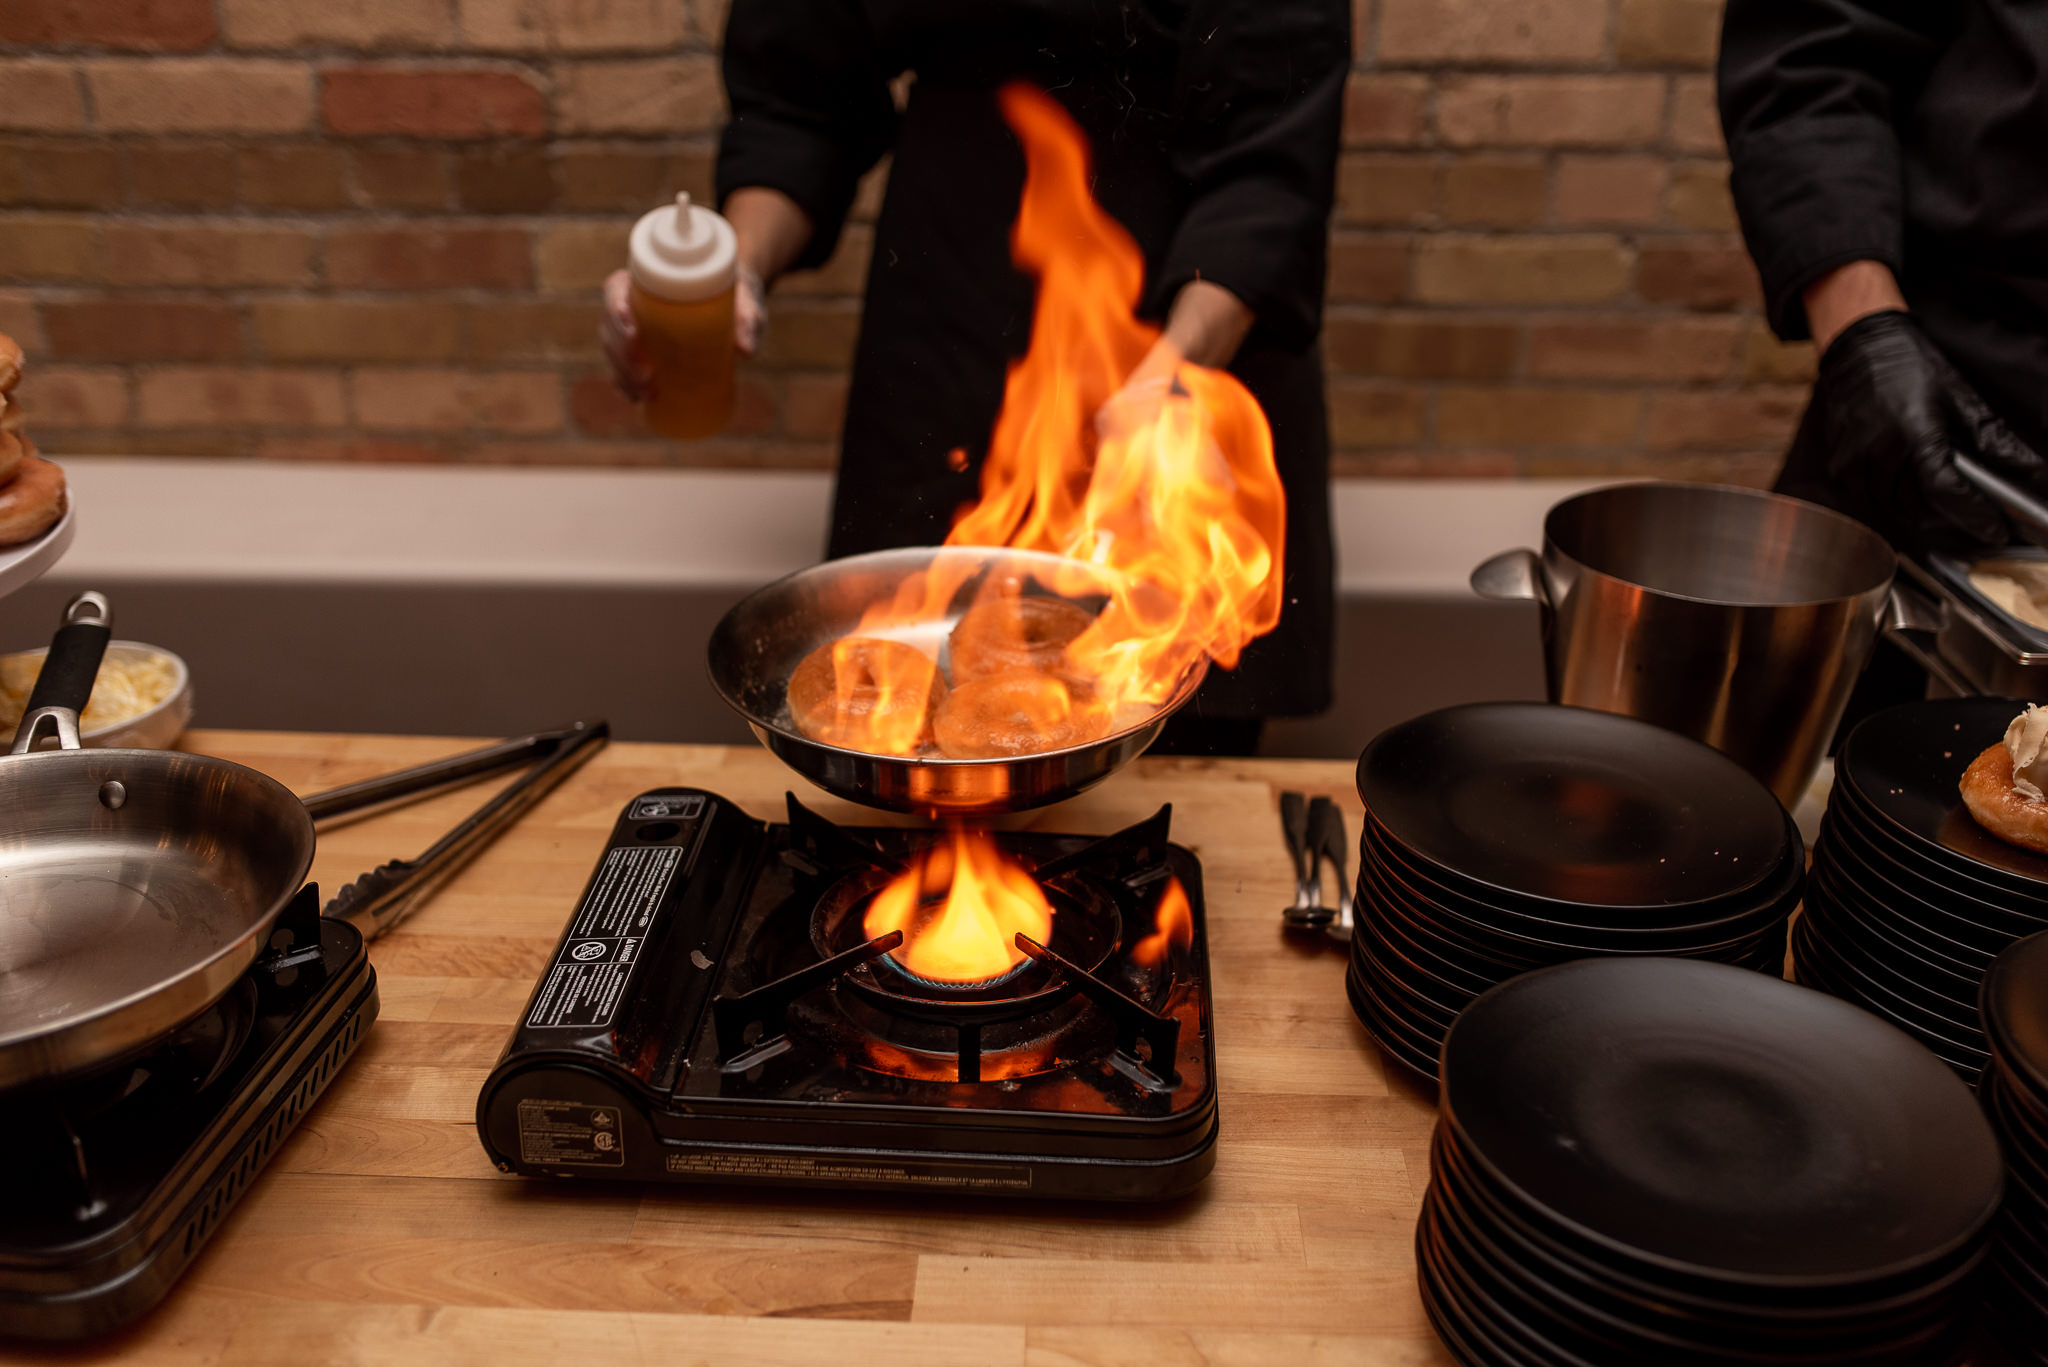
(683, 264)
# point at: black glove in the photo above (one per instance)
(1891, 415)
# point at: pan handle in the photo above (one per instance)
(65, 686)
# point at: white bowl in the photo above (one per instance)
(159, 727)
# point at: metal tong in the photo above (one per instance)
(2029, 516)
(389, 893)
(1315, 832)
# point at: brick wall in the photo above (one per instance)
(372, 230)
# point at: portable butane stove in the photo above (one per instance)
(716, 1011)
(114, 1181)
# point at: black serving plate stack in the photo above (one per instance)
(2015, 1096)
(1910, 899)
(1670, 1161)
(1502, 837)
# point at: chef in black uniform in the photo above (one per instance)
(1214, 127)
(1891, 172)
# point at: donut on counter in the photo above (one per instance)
(888, 689)
(31, 502)
(1014, 632)
(11, 362)
(1017, 712)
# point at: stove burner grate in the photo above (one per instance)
(752, 1026)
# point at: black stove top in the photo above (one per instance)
(115, 1181)
(716, 1012)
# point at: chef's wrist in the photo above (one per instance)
(1846, 294)
(1207, 324)
(770, 228)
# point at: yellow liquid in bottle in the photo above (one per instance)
(689, 345)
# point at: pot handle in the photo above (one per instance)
(1511, 576)
(1913, 622)
(65, 685)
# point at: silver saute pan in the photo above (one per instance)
(136, 886)
(759, 643)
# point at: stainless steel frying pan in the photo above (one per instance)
(759, 643)
(136, 886)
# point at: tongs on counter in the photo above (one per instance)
(389, 893)
(1315, 832)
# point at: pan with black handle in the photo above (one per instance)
(136, 886)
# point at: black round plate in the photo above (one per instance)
(1994, 908)
(1822, 969)
(1637, 1293)
(1875, 934)
(1546, 941)
(1567, 805)
(1641, 929)
(2015, 1004)
(1719, 1122)
(1907, 761)
(1910, 900)
(1523, 1343)
(1420, 1062)
(1901, 997)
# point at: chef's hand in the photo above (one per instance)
(1894, 416)
(620, 331)
(1205, 327)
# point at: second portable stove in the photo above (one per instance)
(717, 1011)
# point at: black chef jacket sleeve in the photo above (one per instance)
(1809, 91)
(1260, 99)
(811, 110)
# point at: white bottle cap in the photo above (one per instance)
(683, 252)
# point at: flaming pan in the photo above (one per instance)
(759, 643)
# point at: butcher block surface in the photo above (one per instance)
(381, 1234)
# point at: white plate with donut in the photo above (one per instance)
(24, 564)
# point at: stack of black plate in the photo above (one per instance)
(1667, 1161)
(1910, 899)
(1501, 837)
(2015, 1094)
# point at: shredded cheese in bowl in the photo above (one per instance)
(131, 681)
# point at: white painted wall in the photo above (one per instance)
(474, 601)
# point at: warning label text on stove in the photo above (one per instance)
(587, 981)
(866, 1172)
(552, 1132)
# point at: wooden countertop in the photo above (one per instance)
(380, 1234)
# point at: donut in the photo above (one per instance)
(10, 413)
(891, 718)
(13, 446)
(11, 361)
(1001, 634)
(1017, 712)
(2001, 808)
(31, 502)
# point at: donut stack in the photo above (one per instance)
(31, 488)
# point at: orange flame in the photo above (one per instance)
(1164, 483)
(971, 935)
(1175, 920)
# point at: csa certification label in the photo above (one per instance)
(588, 978)
(558, 1132)
(672, 808)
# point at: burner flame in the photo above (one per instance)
(1175, 920)
(970, 935)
